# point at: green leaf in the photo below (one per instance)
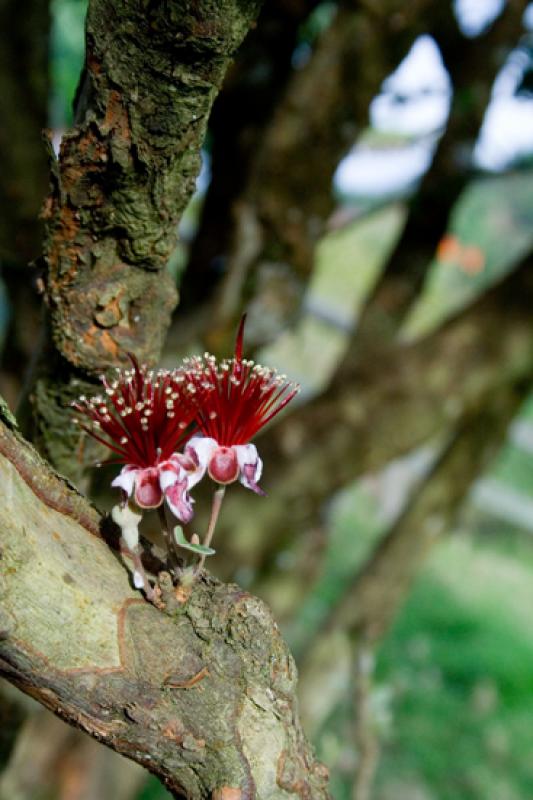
(194, 548)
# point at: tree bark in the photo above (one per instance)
(124, 175)
(205, 699)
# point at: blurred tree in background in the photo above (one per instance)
(366, 195)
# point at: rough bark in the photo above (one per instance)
(124, 175)
(205, 699)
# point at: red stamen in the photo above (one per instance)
(239, 339)
(244, 397)
(144, 417)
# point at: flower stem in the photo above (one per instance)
(218, 497)
(139, 571)
(168, 536)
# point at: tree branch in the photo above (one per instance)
(124, 175)
(241, 112)
(24, 87)
(24, 175)
(205, 699)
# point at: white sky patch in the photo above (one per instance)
(373, 172)
(474, 16)
(415, 101)
(507, 133)
(421, 69)
(528, 17)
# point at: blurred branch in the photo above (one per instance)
(365, 737)
(51, 759)
(387, 399)
(24, 89)
(383, 405)
(124, 175)
(23, 177)
(251, 91)
(103, 659)
(282, 211)
(370, 604)
(472, 66)
(12, 717)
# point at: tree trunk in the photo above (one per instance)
(203, 698)
(125, 173)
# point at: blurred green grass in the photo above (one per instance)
(455, 675)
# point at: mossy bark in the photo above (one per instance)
(205, 698)
(122, 180)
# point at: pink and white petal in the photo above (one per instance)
(179, 500)
(187, 460)
(201, 448)
(195, 476)
(169, 475)
(250, 465)
(148, 493)
(172, 464)
(125, 480)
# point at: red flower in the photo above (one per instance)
(246, 396)
(143, 418)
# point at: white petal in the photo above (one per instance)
(138, 580)
(168, 478)
(248, 457)
(130, 534)
(125, 515)
(247, 454)
(179, 501)
(127, 518)
(126, 479)
(204, 447)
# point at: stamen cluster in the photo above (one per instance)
(245, 396)
(144, 416)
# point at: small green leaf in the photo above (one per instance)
(194, 548)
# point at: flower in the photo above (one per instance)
(245, 397)
(144, 418)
